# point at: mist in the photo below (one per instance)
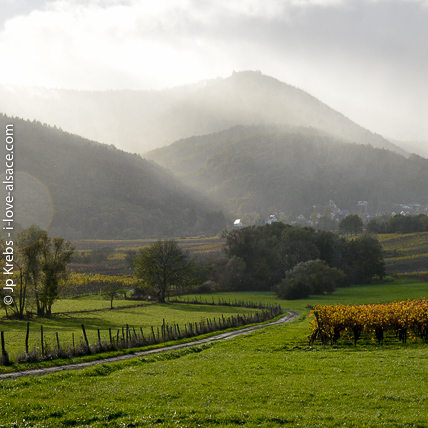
(139, 121)
(364, 59)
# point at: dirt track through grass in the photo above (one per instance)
(291, 316)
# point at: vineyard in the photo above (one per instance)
(406, 256)
(81, 284)
(192, 244)
(115, 253)
(404, 319)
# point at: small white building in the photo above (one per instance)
(238, 223)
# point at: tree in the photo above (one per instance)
(111, 290)
(260, 250)
(325, 223)
(44, 265)
(163, 266)
(298, 246)
(12, 259)
(55, 254)
(229, 273)
(364, 257)
(29, 248)
(352, 224)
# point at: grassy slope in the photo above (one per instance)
(141, 316)
(261, 379)
(253, 381)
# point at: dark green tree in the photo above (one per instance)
(298, 246)
(260, 249)
(364, 259)
(352, 225)
(374, 226)
(230, 274)
(163, 266)
(325, 223)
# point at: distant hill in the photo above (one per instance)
(418, 147)
(82, 189)
(290, 169)
(138, 121)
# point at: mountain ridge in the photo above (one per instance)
(138, 121)
(83, 189)
(264, 169)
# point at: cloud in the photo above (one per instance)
(366, 58)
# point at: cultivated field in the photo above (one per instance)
(406, 255)
(120, 248)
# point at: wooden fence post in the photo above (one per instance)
(86, 339)
(4, 354)
(42, 339)
(26, 338)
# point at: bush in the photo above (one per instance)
(292, 290)
(311, 277)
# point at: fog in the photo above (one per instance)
(139, 121)
(365, 59)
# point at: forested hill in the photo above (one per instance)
(138, 121)
(266, 169)
(94, 190)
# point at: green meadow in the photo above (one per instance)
(268, 378)
(137, 316)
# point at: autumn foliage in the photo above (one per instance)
(403, 318)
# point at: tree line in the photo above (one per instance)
(293, 261)
(399, 224)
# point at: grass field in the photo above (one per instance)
(269, 378)
(138, 316)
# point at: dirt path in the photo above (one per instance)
(291, 316)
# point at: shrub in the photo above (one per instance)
(311, 277)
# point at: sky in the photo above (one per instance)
(367, 59)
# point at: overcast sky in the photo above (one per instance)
(367, 59)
